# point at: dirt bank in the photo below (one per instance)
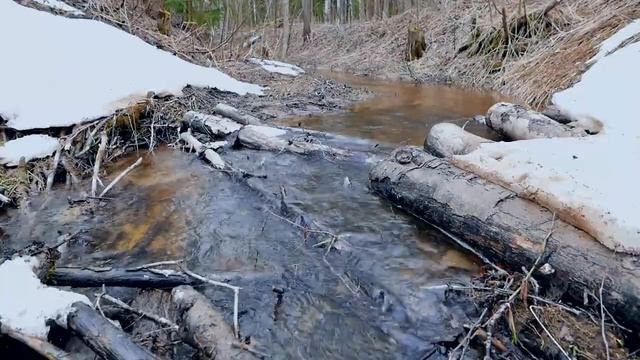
(546, 57)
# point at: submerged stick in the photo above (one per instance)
(119, 177)
(159, 319)
(96, 165)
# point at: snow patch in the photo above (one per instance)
(26, 304)
(278, 67)
(616, 40)
(589, 181)
(59, 5)
(30, 147)
(58, 71)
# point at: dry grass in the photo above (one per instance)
(543, 63)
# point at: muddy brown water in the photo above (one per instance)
(367, 299)
(401, 112)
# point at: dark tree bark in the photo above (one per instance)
(139, 279)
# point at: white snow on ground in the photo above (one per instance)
(590, 181)
(30, 147)
(278, 67)
(632, 29)
(59, 5)
(57, 71)
(25, 304)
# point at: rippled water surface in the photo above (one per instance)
(365, 299)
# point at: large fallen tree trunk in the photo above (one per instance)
(508, 228)
(202, 326)
(143, 279)
(450, 139)
(104, 338)
(210, 125)
(518, 123)
(275, 139)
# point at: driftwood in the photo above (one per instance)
(211, 125)
(119, 177)
(508, 229)
(46, 350)
(104, 338)
(518, 123)
(139, 279)
(235, 114)
(212, 157)
(202, 326)
(449, 139)
(275, 139)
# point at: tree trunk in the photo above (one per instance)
(416, 44)
(307, 14)
(508, 229)
(362, 10)
(327, 11)
(235, 114)
(284, 42)
(340, 8)
(43, 348)
(386, 8)
(104, 338)
(518, 123)
(446, 139)
(274, 139)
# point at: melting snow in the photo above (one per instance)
(29, 147)
(590, 181)
(58, 71)
(59, 5)
(25, 304)
(278, 67)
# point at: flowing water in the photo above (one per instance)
(364, 299)
(403, 113)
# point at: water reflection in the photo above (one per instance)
(402, 113)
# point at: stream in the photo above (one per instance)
(364, 299)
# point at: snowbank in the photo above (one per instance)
(58, 71)
(278, 67)
(25, 304)
(590, 181)
(59, 5)
(30, 147)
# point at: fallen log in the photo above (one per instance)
(104, 338)
(143, 279)
(210, 125)
(275, 139)
(201, 325)
(46, 350)
(235, 114)
(518, 123)
(449, 139)
(508, 228)
(212, 157)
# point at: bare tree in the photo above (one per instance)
(327, 11)
(285, 28)
(307, 14)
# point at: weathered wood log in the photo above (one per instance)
(275, 139)
(508, 228)
(212, 157)
(211, 125)
(518, 123)
(235, 114)
(201, 325)
(139, 279)
(104, 338)
(557, 114)
(46, 350)
(449, 139)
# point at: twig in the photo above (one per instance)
(119, 177)
(547, 331)
(236, 291)
(52, 173)
(250, 350)
(155, 264)
(302, 227)
(160, 320)
(465, 342)
(602, 319)
(96, 165)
